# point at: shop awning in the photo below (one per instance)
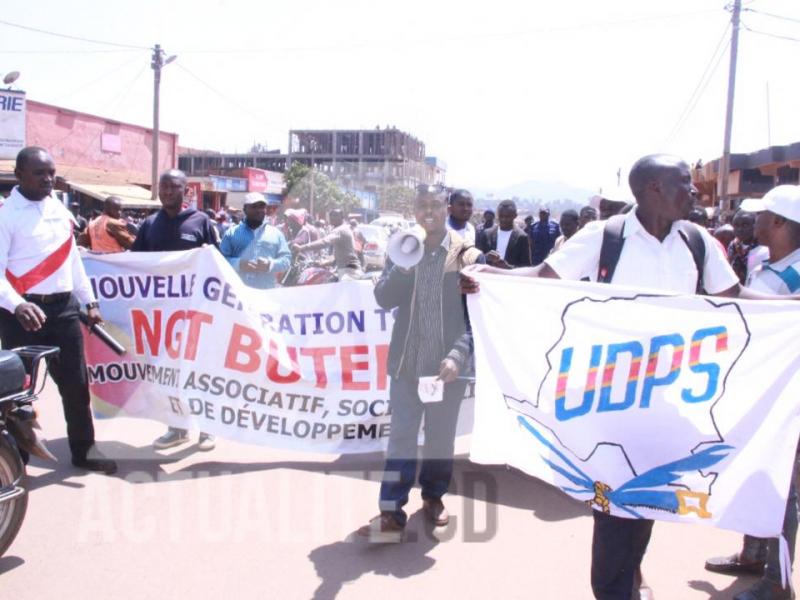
(132, 196)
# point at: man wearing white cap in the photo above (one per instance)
(778, 228)
(256, 249)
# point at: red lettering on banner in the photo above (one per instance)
(247, 341)
(273, 364)
(170, 334)
(196, 321)
(382, 355)
(348, 366)
(318, 356)
(149, 331)
(141, 325)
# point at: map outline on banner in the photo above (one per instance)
(667, 474)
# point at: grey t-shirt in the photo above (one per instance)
(344, 252)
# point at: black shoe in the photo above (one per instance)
(734, 565)
(99, 465)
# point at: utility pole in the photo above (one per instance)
(156, 63)
(725, 163)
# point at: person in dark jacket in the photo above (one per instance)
(431, 339)
(176, 228)
(505, 245)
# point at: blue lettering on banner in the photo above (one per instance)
(664, 350)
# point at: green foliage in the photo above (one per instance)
(302, 182)
(397, 198)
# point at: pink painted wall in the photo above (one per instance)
(79, 141)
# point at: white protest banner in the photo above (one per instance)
(305, 369)
(679, 408)
(12, 123)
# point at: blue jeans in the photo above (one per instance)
(437, 453)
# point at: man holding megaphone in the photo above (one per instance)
(431, 345)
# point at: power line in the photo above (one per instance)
(72, 37)
(107, 107)
(450, 38)
(99, 78)
(66, 51)
(774, 16)
(702, 84)
(220, 94)
(772, 35)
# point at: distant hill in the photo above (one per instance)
(531, 195)
(545, 191)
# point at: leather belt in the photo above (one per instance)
(47, 298)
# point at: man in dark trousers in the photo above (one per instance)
(173, 228)
(505, 245)
(431, 340)
(654, 256)
(42, 290)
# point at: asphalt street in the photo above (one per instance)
(252, 522)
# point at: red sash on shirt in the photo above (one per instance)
(43, 270)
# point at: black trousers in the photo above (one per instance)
(63, 329)
(618, 546)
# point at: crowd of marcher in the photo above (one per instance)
(756, 257)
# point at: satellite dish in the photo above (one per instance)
(11, 77)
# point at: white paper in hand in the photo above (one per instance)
(430, 389)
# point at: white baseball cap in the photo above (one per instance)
(254, 198)
(783, 200)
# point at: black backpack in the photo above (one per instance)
(613, 240)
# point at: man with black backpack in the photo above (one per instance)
(651, 247)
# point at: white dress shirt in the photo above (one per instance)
(645, 262)
(29, 233)
(503, 238)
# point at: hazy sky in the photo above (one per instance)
(503, 91)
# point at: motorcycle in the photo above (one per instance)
(19, 373)
(305, 271)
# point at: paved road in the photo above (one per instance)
(249, 522)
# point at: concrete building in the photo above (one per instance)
(365, 158)
(751, 175)
(359, 160)
(95, 156)
(201, 163)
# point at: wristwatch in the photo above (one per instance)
(92, 305)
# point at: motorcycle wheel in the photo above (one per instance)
(12, 513)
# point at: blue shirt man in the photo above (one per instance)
(256, 249)
(543, 235)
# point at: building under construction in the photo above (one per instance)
(365, 158)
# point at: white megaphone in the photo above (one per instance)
(407, 246)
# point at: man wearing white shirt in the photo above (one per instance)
(656, 254)
(505, 245)
(42, 289)
(777, 227)
(459, 207)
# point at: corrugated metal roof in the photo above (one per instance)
(132, 196)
